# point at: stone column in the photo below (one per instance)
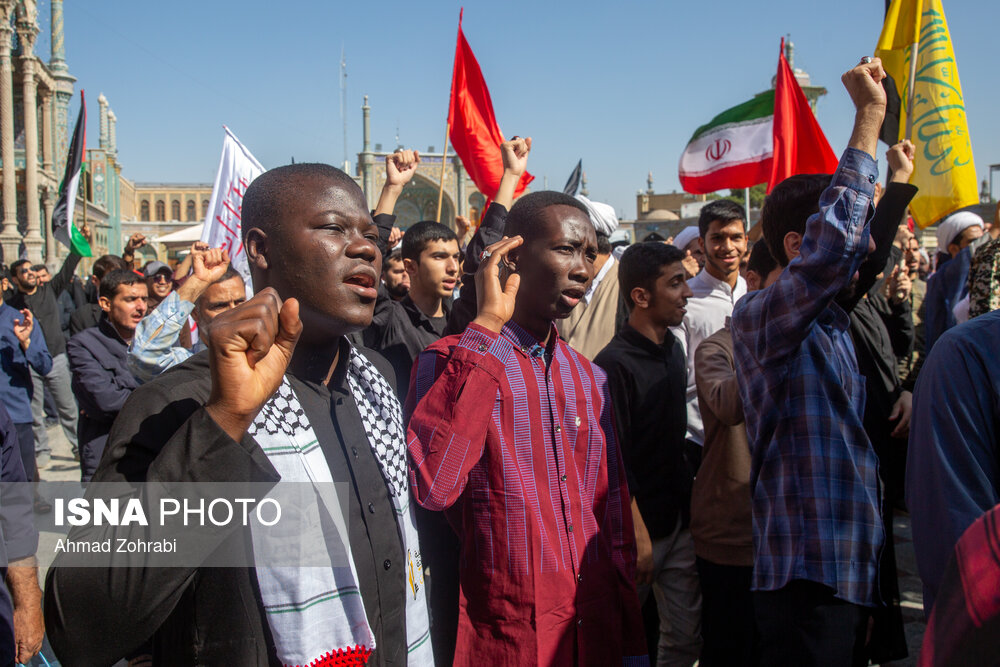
(47, 132)
(57, 59)
(10, 240)
(49, 205)
(27, 31)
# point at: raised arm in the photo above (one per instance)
(774, 322)
(154, 347)
(62, 279)
(515, 160)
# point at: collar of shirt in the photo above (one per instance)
(659, 350)
(105, 326)
(589, 294)
(527, 343)
(705, 284)
(418, 317)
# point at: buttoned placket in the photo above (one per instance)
(536, 355)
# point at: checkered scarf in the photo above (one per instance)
(316, 614)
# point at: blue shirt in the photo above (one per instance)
(813, 471)
(15, 377)
(154, 347)
(953, 463)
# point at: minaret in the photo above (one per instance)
(583, 185)
(649, 183)
(102, 103)
(64, 88)
(367, 159)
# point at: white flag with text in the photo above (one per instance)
(237, 169)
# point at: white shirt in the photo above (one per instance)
(707, 312)
(589, 294)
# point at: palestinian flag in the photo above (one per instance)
(733, 150)
(63, 228)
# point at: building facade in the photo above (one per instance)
(35, 129)
(419, 199)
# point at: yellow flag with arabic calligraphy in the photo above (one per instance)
(944, 170)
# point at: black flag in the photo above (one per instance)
(573, 184)
(63, 228)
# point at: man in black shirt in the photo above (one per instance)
(431, 258)
(647, 376)
(311, 246)
(43, 302)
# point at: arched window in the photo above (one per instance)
(204, 207)
(161, 211)
(191, 213)
(144, 210)
(175, 210)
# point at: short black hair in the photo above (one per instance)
(265, 197)
(603, 244)
(15, 267)
(394, 256)
(112, 279)
(228, 275)
(420, 234)
(761, 260)
(641, 264)
(39, 267)
(523, 217)
(787, 209)
(106, 263)
(723, 210)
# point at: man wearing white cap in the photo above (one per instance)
(958, 237)
(687, 240)
(593, 322)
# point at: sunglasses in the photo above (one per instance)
(161, 278)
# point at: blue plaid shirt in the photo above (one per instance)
(814, 474)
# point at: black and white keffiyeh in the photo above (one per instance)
(316, 614)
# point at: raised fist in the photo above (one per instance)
(209, 265)
(515, 155)
(400, 167)
(864, 85)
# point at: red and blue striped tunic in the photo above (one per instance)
(523, 457)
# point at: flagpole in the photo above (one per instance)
(444, 157)
(910, 94)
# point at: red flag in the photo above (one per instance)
(800, 147)
(474, 134)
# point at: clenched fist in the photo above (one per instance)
(250, 348)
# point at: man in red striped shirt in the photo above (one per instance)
(513, 437)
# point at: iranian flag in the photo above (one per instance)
(733, 150)
(63, 228)
(765, 140)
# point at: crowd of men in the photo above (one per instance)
(538, 425)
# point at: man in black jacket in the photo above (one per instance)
(43, 302)
(310, 239)
(98, 358)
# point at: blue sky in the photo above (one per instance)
(621, 85)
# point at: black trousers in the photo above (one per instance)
(727, 616)
(26, 443)
(802, 624)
